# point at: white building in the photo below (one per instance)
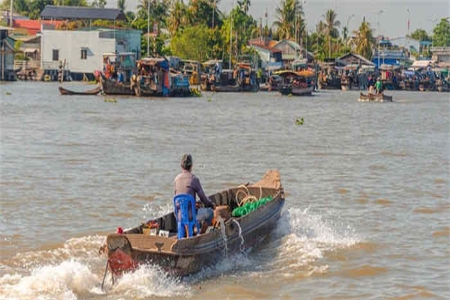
(82, 49)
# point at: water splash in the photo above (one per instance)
(224, 235)
(149, 281)
(302, 239)
(241, 246)
(68, 280)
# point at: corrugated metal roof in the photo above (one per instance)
(82, 13)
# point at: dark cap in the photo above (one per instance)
(186, 162)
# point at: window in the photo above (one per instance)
(83, 54)
(55, 56)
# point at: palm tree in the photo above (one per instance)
(121, 5)
(364, 40)
(244, 5)
(288, 15)
(201, 12)
(331, 25)
(176, 16)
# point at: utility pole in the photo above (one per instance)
(148, 29)
(214, 8)
(231, 34)
(408, 37)
(378, 32)
(11, 15)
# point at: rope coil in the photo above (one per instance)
(247, 196)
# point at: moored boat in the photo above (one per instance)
(296, 83)
(374, 98)
(241, 79)
(251, 212)
(91, 92)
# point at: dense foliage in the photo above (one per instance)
(198, 30)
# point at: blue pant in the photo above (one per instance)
(205, 214)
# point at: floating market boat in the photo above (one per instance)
(241, 79)
(374, 98)
(296, 83)
(244, 217)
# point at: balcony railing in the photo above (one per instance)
(53, 65)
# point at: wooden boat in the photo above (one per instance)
(374, 98)
(95, 91)
(189, 255)
(296, 83)
(241, 79)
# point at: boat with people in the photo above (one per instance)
(91, 92)
(243, 218)
(149, 76)
(241, 79)
(296, 83)
(381, 97)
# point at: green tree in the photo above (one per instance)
(244, 5)
(420, 35)
(36, 7)
(177, 16)
(331, 25)
(364, 40)
(20, 6)
(192, 43)
(98, 3)
(121, 5)
(441, 33)
(71, 2)
(288, 14)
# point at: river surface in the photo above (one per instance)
(367, 212)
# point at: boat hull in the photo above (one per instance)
(296, 91)
(374, 98)
(92, 92)
(181, 257)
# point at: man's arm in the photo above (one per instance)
(199, 190)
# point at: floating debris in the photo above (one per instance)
(113, 100)
(196, 92)
(8, 93)
(299, 121)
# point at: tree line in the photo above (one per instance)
(199, 30)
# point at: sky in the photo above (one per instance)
(393, 21)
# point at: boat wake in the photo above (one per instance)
(296, 248)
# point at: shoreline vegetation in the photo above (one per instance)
(198, 30)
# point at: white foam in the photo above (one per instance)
(306, 237)
(68, 280)
(148, 281)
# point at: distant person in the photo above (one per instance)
(379, 86)
(188, 183)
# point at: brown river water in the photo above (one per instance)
(367, 212)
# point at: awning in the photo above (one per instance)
(31, 50)
(422, 63)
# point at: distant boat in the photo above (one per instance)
(374, 98)
(296, 83)
(95, 91)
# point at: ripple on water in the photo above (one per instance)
(383, 202)
(365, 270)
(442, 233)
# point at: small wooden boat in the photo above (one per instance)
(92, 92)
(232, 233)
(374, 98)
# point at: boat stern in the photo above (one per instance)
(120, 259)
